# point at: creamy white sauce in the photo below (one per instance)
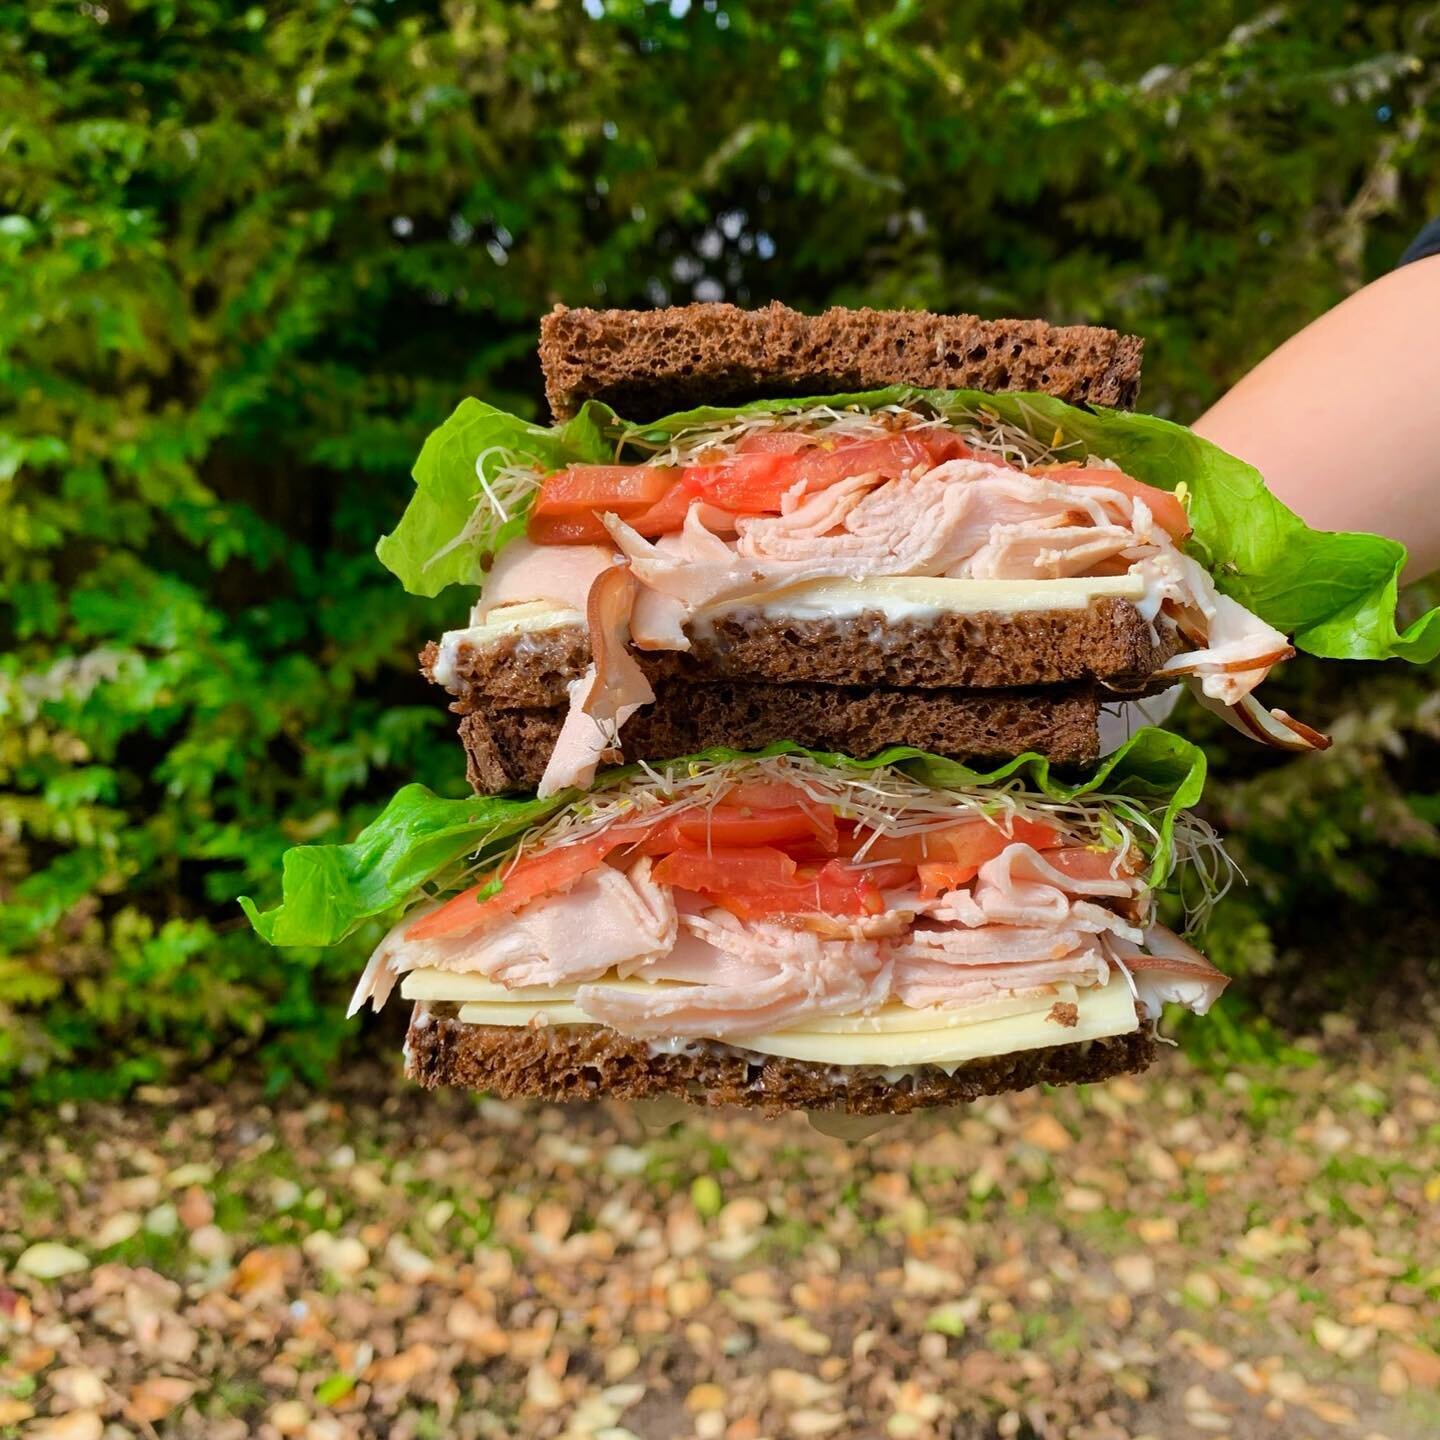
(915, 598)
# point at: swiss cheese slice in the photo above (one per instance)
(894, 1037)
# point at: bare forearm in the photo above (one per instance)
(1343, 420)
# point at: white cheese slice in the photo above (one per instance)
(458, 986)
(1100, 1012)
(911, 597)
(532, 617)
(894, 1037)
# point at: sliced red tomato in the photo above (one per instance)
(721, 827)
(621, 489)
(1080, 862)
(938, 876)
(770, 793)
(768, 465)
(751, 484)
(668, 513)
(763, 882)
(527, 880)
(883, 875)
(1169, 513)
(824, 465)
(745, 869)
(963, 848)
(566, 530)
(776, 442)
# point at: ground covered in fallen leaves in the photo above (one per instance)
(1251, 1252)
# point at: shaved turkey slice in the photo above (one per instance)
(1034, 551)
(562, 574)
(992, 944)
(1237, 648)
(747, 979)
(608, 920)
(1168, 969)
(1020, 887)
(612, 689)
(924, 982)
(1270, 727)
(377, 981)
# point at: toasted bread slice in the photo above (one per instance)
(1107, 642)
(593, 1062)
(647, 363)
(508, 749)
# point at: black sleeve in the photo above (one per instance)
(1427, 242)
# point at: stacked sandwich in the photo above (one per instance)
(797, 632)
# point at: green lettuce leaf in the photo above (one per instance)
(419, 550)
(416, 845)
(1334, 594)
(418, 839)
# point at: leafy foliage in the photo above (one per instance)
(251, 254)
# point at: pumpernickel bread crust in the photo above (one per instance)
(593, 1062)
(508, 749)
(1108, 642)
(647, 363)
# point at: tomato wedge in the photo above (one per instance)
(725, 826)
(760, 881)
(1169, 513)
(668, 513)
(531, 877)
(966, 842)
(621, 489)
(752, 867)
(566, 530)
(823, 465)
(1080, 862)
(751, 483)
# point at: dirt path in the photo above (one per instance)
(1252, 1253)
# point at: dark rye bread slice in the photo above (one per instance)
(508, 749)
(648, 363)
(593, 1062)
(1107, 642)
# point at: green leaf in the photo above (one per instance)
(328, 890)
(476, 441)
(333, 1389)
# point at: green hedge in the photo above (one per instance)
(250, 254)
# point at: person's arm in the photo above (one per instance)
(1343, 420)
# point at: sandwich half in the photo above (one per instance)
(975, 572)
(783, 929)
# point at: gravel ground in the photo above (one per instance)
(1186, 1254)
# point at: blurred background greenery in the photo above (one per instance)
(250, 254)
